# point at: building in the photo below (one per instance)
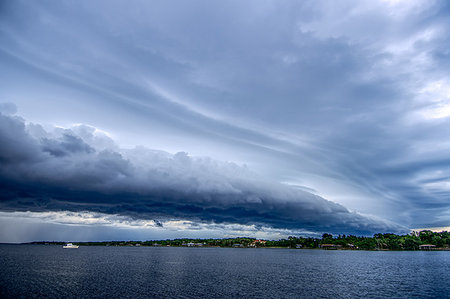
(329, 246)
(193, 244)
(427, 247)
(258, 243)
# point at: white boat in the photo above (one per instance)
(70, 245)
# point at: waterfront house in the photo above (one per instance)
(258, 243)
(427, 247)
(329, 246)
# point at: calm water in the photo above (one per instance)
(51, 271)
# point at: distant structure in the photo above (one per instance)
(258, 243)
(427, 247)
(192, 244)
(329, 246)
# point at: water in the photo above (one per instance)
(51, 271)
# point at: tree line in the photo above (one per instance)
(387, 241)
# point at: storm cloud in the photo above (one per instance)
(65, 172)
(348, 100)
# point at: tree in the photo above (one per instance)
(327, 236)
(411, 244)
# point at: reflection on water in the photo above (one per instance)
(37, 270)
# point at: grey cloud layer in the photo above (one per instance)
(349, 98)
(63, 172)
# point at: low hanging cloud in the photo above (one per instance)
(82, 169)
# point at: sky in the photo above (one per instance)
(165, 119)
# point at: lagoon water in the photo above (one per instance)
(139, 272)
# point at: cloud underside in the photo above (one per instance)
(349, 100)
(80, 169)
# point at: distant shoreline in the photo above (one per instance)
(149, 246)
(271, 247)
(424, 240)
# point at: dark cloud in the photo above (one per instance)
(348, 98)
(67, 144)
(64, 173)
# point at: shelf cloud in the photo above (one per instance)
(73, 170)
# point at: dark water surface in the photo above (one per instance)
(51, 271)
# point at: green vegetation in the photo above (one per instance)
(377, 242)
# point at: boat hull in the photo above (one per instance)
(70, 246)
